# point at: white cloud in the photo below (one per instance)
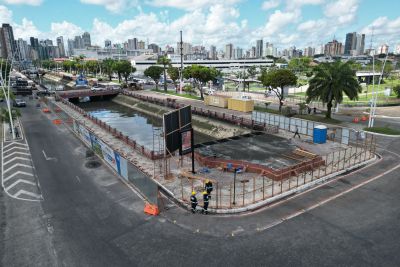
(26, 29)
(342, 11)
(278, 21)
(5, 14)
(114, 6)
(191, 5)
(270, 4)
(65, 29)
(296, 4)
(23, 2)
(385, 30)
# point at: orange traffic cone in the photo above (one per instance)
(151, 209)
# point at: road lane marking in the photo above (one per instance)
(48, 158)
(17, 173)
(16, 158)
(16, 152)
(17, 165)
(302, 211)
(77, 178)
(12, 148)
(14, 143)
(19, 181)
(20, 192)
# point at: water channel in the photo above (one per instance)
(138, 126)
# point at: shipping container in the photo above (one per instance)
(244, 105)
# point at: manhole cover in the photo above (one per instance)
(92, 164)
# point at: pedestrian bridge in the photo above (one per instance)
(87, 93)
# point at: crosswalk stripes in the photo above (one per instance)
(18, 173)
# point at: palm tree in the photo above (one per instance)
(329, 83)
(165, 62)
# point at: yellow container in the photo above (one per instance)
(244, 105)
(216, 101)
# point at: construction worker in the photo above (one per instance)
(206, 200)
(209, 187)
(193, 200)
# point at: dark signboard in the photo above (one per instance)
(175, 123)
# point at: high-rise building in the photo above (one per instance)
(156, 49)
(350, 43)
(187, 48)
(213, 53)
(107, 44)
(86, 40)
(355, 44)
(78, 43)
(383, 49)
(133, 44)
(253, 52)
(333, 48)
(238, 53)
(229, 51)
(22, 49)
(309, 52)
(70, 44)
(259, 48)
(269, 50)
(141, 45)
(7, 41)
(60, 45)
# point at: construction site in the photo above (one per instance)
(248, 171)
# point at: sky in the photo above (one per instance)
(284, 23)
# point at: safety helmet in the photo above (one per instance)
(193, 193)
(207, 180)
(204, 192)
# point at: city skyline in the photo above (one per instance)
(300, 23)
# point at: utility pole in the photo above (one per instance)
(181, 72)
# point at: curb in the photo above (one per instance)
(385, 135)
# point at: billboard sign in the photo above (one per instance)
(176, 122)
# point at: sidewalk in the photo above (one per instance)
(7, 134)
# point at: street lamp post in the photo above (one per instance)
(234, 186)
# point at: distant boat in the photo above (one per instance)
(81, 81)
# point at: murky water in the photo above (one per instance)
(136, 125)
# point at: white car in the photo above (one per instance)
(96, 88)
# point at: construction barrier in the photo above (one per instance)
(364, 118)
(356, 120)
(57, 121)
(46, 110)
(151, 209)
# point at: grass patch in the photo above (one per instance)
(268, 110)
(177, 94)
(318, 119)
(383, 130)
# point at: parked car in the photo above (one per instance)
(19, 103)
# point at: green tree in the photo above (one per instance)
(396, 90)
(123, 68)
(173, 73)
(91, 66)
(330, 82)
(201, 75)
(165, 62)
(154, 72)
(301, 64)
(277, 80)
(5, 69)
(108, 67)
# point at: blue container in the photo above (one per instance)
(320, 132)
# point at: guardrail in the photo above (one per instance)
(221, 116)
(84, 93)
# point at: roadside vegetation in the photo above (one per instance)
(383, 130)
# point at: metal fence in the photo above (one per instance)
(153, 155)
(252, 188)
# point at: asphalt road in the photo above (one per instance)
(89, 218)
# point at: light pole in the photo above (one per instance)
(234, 186)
